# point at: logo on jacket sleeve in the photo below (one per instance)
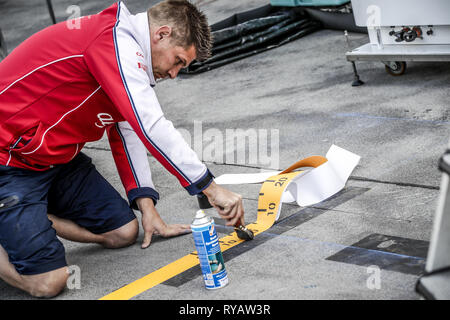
(142, 66)
(104, 119)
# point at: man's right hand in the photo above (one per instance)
(227, 203)
(153, 224)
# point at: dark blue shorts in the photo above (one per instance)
(73, 191)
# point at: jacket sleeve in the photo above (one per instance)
(113, 62)
(132, 164)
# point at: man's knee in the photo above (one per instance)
(46, 285)
(123, 236)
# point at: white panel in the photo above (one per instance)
(401, 12)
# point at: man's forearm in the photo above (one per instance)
(146, 205)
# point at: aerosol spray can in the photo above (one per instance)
(209, 253)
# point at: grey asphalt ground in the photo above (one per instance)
(382, 219)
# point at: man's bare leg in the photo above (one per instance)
(51, 283)
(121, 237)
(71, 231)
(47, 284)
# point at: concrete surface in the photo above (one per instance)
(398, 125)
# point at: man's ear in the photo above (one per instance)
(163, 32)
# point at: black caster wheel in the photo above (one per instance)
(396, 68)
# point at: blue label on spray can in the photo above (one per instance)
(210, 256)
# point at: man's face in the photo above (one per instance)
(167, 58)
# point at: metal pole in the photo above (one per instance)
(3, 50)
(50, 10)
(356, 81)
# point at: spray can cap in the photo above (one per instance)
(200, 214)
(200, 218)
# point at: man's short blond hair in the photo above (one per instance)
(189, 25)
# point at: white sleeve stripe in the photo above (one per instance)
(136, 155)
(128, 155)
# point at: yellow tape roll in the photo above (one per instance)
(269, 202)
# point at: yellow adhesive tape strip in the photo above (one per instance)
(269, 203)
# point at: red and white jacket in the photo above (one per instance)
(65, 86)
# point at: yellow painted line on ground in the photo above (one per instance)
(269, 201)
